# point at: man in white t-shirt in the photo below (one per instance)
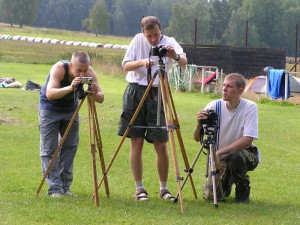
(140, 64)
(238, 127)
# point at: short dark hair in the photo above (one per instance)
(81, 57)
(149, 22)
(239, 79)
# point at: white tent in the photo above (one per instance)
(258, 85)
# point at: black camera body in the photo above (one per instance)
(80, 91)
(210, 125)
(212, 118)
(159, 51)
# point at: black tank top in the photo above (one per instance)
(68, 103)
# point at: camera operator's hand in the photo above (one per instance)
(171, 52)
(202, 115)
(133, 65)
(94, 88)
(147, 63)
(75, 83)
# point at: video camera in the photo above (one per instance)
(212, 118)
(211, 123)
(159, 51)
(80, 89)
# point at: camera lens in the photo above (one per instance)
(162, 51)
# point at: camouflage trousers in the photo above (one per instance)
(236, 165)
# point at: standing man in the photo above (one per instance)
(238, 118)
(138, 63)
(58, 102)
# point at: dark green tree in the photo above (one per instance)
(266, 16)
(162, 10)
(64, 14)
(182, 22)
(99, 19)
(219, 19)
(19, 11)
(291, 18)
(127, 16)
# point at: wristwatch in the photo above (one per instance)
(178, 57)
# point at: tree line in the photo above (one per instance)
(251, 23)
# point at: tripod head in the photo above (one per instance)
(81, 92)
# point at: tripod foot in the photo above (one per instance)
(175, 200)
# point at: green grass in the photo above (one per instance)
(39, 53)
(274, 194)
(62, 34)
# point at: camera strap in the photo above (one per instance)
(201, 133)
(216, 135)
(149, 76)
(218, 111)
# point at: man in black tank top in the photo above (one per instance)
(58, 102)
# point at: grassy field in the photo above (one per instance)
(58, 34)
(275, 196)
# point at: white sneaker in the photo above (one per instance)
(56, 195)
(70, 194)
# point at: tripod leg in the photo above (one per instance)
(190, 170)
(128, 129)
(213, 174)
(170, 125)
(175, 120)
(93, 148)
(99, 143)
(218, 176)
(60, 146)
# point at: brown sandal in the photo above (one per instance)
(141, 195)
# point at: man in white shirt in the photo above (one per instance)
(140, 66)
(238, 127)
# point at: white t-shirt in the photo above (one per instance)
(237, 123)
(139, 48)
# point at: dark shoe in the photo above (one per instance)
(69, 194)
(56, 195)
(226, 190)
(242, 196)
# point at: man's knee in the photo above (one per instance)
(235, 158)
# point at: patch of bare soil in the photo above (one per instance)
(6, 119)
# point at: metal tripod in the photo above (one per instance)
(94, 139)
(211, 161)
(171, 125)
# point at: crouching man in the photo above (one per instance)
(238, 127)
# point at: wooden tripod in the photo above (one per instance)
(171, 125)
(95, 140)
